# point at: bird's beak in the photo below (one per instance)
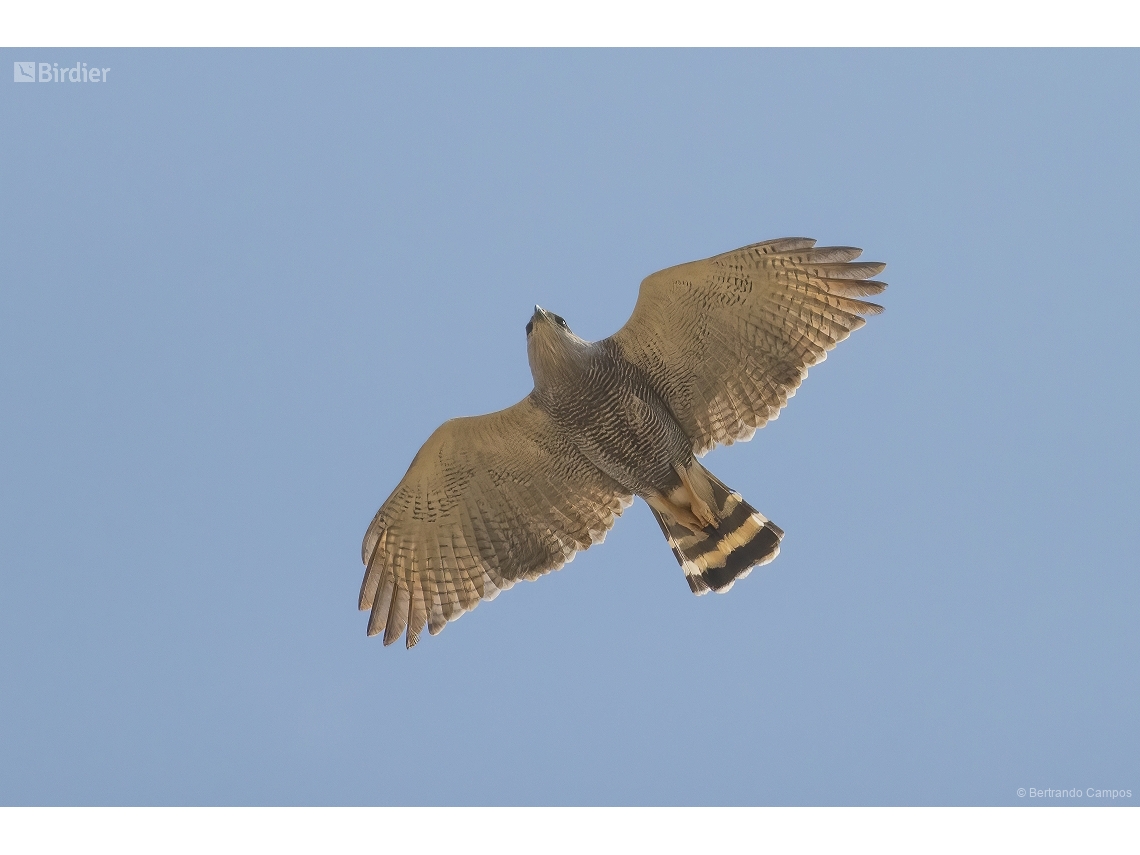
(540, 313)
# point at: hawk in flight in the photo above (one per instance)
(713, 350)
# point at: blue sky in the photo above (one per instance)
(238, 289)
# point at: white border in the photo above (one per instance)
(553, 831)
(569, 23)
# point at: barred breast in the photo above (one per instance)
(612, 413)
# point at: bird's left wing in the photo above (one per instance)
(487, 501)
(727, 340)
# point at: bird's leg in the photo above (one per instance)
(681, 514)
(699, 506)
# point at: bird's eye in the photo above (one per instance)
(529, 327)
(560, 320)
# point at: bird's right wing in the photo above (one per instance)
(727, 340)
(487, 501)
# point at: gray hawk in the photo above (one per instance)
(713, 350)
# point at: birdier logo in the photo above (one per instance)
(50, 72)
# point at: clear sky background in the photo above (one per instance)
(239, 289)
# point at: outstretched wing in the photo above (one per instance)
(727, 340)
(487, 501)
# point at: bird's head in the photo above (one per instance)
(550, 345)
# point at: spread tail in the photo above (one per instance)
(717, 556)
